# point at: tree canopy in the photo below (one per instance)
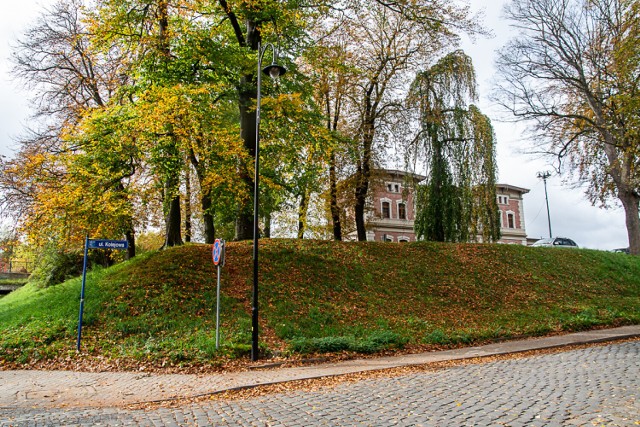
(572, 75)
(147, 111)
(458, 202)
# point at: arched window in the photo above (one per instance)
(511, 220)
(402, 211)
(386, 210)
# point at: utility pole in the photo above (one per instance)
(543, 176)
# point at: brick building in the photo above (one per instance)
(512, 225)
(393, 209)
(393, 212)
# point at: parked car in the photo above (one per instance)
(558, 242)
(621, 250)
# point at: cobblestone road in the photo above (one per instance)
(593, 386)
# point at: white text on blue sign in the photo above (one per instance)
(108, 244)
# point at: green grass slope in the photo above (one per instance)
(158, 310)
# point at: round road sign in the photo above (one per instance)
(217, 251)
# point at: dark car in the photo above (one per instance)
(557, 242)
(621, 250)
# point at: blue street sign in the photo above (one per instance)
(107, 244)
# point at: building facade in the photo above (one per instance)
(510, 203)
(392, 216)
(394, 208)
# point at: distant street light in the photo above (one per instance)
(543, 176)
(274, 71)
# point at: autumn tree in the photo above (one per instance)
(54, 59)
(327, 65)
(179, 91)
(458, 202)
(385, 43)
(572, 75)
(295, 147)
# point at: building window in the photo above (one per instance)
(503, 200)
(393, 187)
(511, 220)
(387, 238)
(386, 210)
(402, 211)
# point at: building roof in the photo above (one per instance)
(513, 188)
(401, 174)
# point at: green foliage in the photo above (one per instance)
(457, 141)
(13, 282)
(170, 86)
(55, 266)
(439, 337)
(376, 341)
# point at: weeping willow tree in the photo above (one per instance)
(457, 142)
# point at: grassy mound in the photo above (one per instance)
(317, 297)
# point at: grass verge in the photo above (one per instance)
(158, 310)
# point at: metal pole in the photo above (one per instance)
(218, 310)
(544, 176)
(84, 280)
(254, 309)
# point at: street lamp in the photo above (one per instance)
(543, 176)
(274, 71)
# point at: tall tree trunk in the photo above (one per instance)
(363, 177)
(333, 198)
(439, 197)
(631, 203)
(332, 125)
(206, 200)
(247, 94)
(131, 243)
(187, 204)
(207, 217)
(173, 223)
(267, 225)
(303, 208)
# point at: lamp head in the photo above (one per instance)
(274, 70)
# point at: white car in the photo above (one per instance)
(558, 242)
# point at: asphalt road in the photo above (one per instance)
(594, 386)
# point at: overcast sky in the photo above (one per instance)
(571, 215)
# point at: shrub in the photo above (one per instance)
(376, 341)
(55, 267)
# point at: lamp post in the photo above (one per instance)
(274, 71)
(543, 176)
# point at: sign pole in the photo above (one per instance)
(94, 244)
(84, 280)
(217, 253)
(218, 310)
